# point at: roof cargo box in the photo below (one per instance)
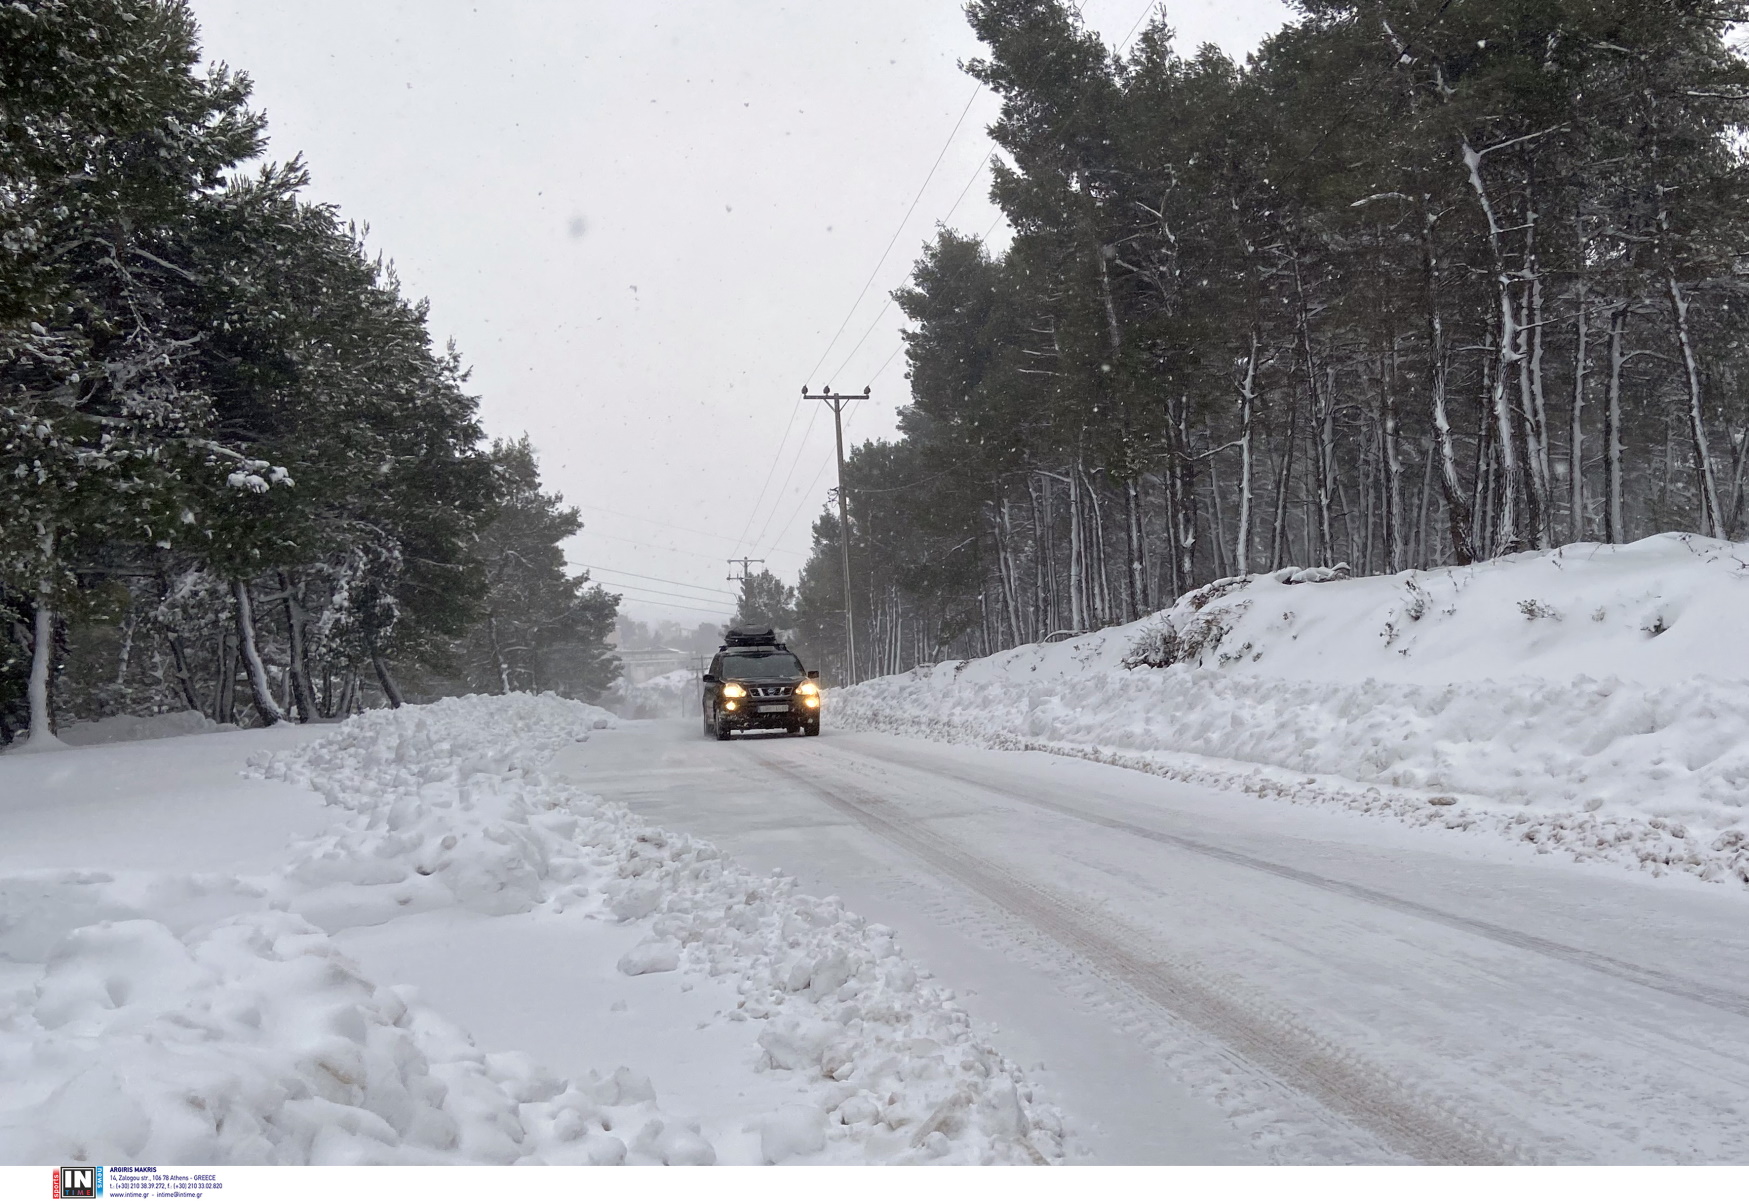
(750, 636)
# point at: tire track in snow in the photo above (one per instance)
(1338, 1079)
(1631, 973)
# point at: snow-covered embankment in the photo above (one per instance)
(1593, 699)
(210, 1018)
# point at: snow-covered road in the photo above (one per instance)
(1210, 976)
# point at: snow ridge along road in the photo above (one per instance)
(1591, 700)
(1338, 989)
(190, 1017)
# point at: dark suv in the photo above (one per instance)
(756, 682)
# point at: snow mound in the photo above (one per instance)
(449, 807)
(202, 1019)
(255, 1041)
(211, 1018)
(1593, 700)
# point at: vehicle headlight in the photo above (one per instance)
(734, 690)
(729, 705)
(812, 702)
(807, 688)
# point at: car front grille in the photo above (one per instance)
(768, 691)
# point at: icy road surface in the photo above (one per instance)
(1206, 976)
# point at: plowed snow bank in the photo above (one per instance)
(1594, 699)
(210, 1019)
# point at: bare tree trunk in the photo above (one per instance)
(1614, 528)
(1077, 553)
(1576, 438)
(1278, 539)
(1005, 567)
(225, 691)
(498, 652)
(1101, 593)
(1712, 518)
(1040, 593)
(1184, 499)
(1536, 423)
(259, 688)
(1132, 554)
(385, 678)
(1739, 452)
(1247, 409)
(1325, 408)
(1140, 566)
(1457, 510)
(184, 677)
(42, 728)
(1218, 544)
(1421, 558)
(1511, 536)
(1486, 467)
(1392, 462)
(303, 696)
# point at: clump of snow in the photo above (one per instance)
(211, 1018)
(1593, 700)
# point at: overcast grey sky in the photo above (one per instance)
(643, 223)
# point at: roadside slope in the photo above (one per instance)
(1593, 699)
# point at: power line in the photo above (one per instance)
(658, 579)
(1151, 7)
(653, 591)
(777, 456)
(803, 503)
(645, 544)
(797, 511)
(954, 208)
(1132, 33)
(894, 240)
(788, 475)
(890, 358)
(651, 520)
(666, 604)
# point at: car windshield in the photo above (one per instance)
(779, 665)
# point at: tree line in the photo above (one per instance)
(236, 475)
(1418, 283)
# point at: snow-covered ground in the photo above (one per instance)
(202, 964)
(1203, 975)
(1592, 700)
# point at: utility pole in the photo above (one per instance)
(746, 567)
(746, 570)
(837, 401)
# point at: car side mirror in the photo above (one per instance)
(813, 675)
(710, 679)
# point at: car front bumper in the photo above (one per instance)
(754, 714)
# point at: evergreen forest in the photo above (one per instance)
(236, 475)
(1421, 282)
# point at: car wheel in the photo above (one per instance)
(722, 731)
(812, 729)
